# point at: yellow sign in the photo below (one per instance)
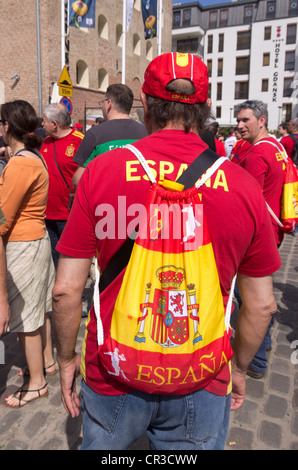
(63, 91)
(64, 80)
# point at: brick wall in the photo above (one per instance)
(18, 52)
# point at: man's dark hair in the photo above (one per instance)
(121, 96)
(190, 115)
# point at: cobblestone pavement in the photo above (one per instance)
(268, 419)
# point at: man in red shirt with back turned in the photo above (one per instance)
(264, 161)
(174, 96)
(58, 150)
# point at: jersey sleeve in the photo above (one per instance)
(78, 239)
(262, 257)
(85, 149)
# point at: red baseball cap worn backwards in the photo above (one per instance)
(167, 67)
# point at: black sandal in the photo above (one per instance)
(22, 391)
(26, 373)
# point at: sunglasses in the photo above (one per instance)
(2, 121)
(102, 101)
(253, 105)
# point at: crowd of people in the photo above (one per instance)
(52, 189)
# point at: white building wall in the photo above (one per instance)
(275, 72)
(229, 76)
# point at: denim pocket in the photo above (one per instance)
(205, 416)
(103, 410)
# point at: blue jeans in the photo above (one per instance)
(197, 421)
(55, 229)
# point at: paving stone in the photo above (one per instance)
(240, 439)
(279, 383)
(276, 407)
(247, 413)
(255, 388)
(270, 433)
(17, 445)
(294, 424)
(295, 398)
(36, 424)
(280, 365)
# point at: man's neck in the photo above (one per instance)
(115, 115)
(262, 135)
(62, 132)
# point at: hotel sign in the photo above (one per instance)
(277, 47)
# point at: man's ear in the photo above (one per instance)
(144, 101)
(262, 121)
(147, 121)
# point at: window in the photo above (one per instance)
(149, 50)
(177, 19)
(218, 112)
(287, 112)
(267, 33)
(186, 17)
(290, 60)
(265, 84)
(209, 90)
(219, 67)
(293, 8)
(103, 80)
(82, 74)
(209, 67)
(241, 90)
(212, 19)
(291, 33)
(248, 11)
(136, 44)
(243, 40)
(242, 65)
(210, 44)
(221, 38)
(271, 9)
(102, 29)
(287, 92)
(188, 45)
(223, 17)
(119, 35)
(266, 59)
(219, 91)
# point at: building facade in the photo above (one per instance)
(250, 48)
(36, 42)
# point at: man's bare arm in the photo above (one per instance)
(253, 320)
(77, 176)
(71, 279)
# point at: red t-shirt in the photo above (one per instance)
(220, 148)
(266, 165)
(65, 149)
(288, 144)
(239, 150)
(237, 218)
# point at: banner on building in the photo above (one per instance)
(81, 14)
(149, 13)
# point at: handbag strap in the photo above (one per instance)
(285, 157)
(35, 153)
(60, 169)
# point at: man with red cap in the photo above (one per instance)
(115, 414)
